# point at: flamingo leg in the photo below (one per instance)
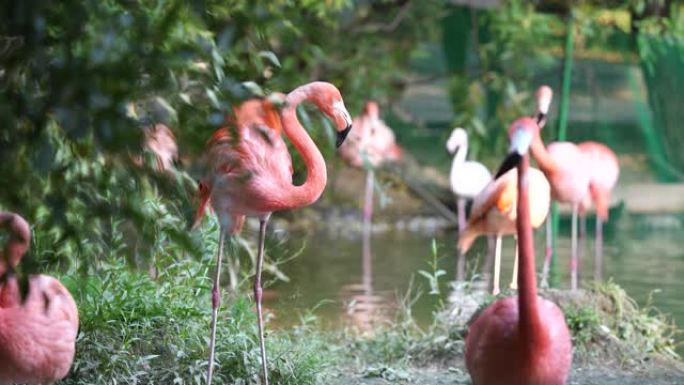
(514, 278)
(574, 261)
(461, 214)
(368, 203)
(598, 252)
(367, 226)
(215, 303)
(258, 294)
(582, 240)
(497, 265)
(548, 254)
(460, 257)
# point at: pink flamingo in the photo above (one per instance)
(250, 174)
(161, 141)
(604, 173)
(494, 212)
(521, 340)
(38, 332)
(370, 145)
(580, 174)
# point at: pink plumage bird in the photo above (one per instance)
(38, 332)
(370, 145)
(521, 340)
(580, 174)
(250, 174)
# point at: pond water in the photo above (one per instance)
(643, 254)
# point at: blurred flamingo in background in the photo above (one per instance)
(494, 211)
(568, 171)
(250, 174)
(601, 170)
(370, 145)
(520, 340)
(160, 140)
(38, 332)
(467, 179)
(604, 173)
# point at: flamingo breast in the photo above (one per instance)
(496, 352)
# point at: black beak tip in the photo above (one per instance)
(342, 135)
(510, 162)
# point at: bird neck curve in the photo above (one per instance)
(316, 173)
(531, 328)
(18, 242)
(459, 158)
(546, 163)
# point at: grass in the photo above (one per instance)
(136, 330)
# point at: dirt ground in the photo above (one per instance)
(453, 376)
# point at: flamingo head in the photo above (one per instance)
(521, 135)
(329, 100)
(544, 96)
(458, 138)
(371, 109)
(18, 242)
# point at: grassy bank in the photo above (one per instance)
(140, 330)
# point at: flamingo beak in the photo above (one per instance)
(342, 135)
(520, 144)
(541, 119)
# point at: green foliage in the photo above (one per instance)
(493, 91)
(644, 330)
(138, 330)
(583, 323)
(71, 75)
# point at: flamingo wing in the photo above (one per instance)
(499, 193)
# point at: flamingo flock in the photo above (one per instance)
(518, 340)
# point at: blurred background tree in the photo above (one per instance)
(69, 71)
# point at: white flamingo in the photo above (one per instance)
(467, 179)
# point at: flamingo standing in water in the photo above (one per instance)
(604, 173)
(369, 146)
(580, 174)
(250, 173)
(521, 340)
(38, 332)
(494, 212)
(467, 179)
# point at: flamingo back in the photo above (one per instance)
(38, 335)
(570, 181)
(604, 174)
(370, 141)
(246, 161)
(494, 210)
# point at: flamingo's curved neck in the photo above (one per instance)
(316, 174)
(18, 243)
(459, 159)
(546, 163)
(531, 328)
